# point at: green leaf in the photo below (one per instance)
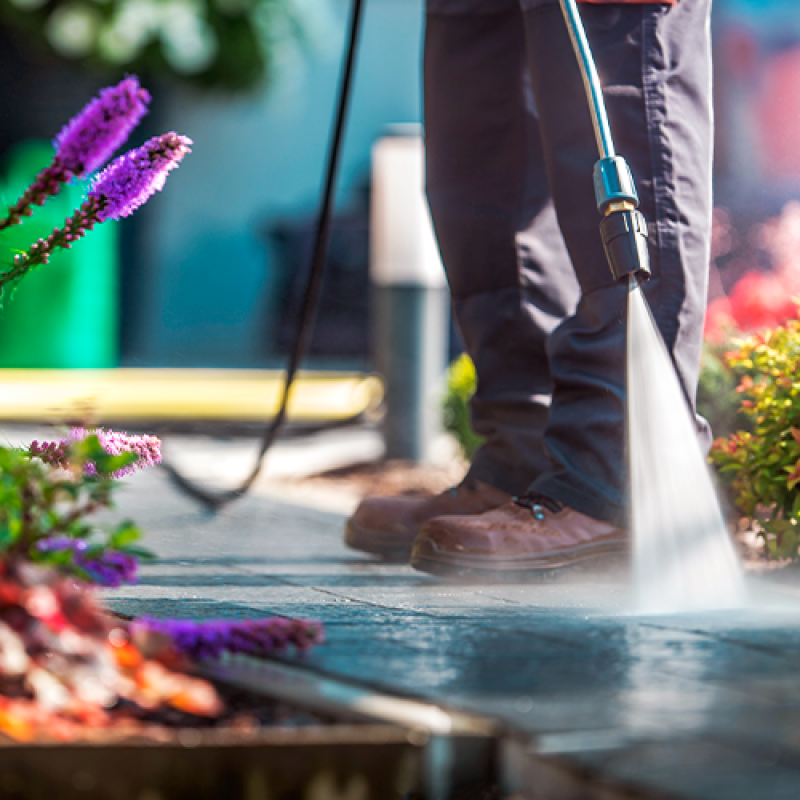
(126, 533)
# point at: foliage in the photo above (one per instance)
(717, 398)
(462, 382)
(44, 512)
(222, 44)
(765, 463)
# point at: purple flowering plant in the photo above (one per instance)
(82, 147)
(48, 492)
(50, 489)
(211, 638)
(85, 143)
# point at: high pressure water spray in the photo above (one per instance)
(623, 227)
(683, 558)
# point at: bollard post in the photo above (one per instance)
(410, 299)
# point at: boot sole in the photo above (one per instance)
(377, 543)
(427, 557)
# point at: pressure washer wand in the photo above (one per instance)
(623, 227)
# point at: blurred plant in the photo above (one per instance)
(69, 671)
(717, 398)
(211, 638)
(764, 464)
(224, 44)
(766, 257)
(462, 381)
(50, 489)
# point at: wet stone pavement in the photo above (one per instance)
(702, 706)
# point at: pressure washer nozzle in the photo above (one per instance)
(624, 233)
(623, 228)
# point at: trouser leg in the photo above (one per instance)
(655, 65)
(508, 269)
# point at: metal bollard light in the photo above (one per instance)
(411, 304)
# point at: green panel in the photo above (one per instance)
(64, 314)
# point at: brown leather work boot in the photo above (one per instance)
(516, 541)
(387, 526)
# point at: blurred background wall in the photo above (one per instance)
(207, 274)
(209, 268)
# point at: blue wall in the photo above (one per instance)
(203, 283)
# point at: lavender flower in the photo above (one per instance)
(146, 448)
(88, 140)
(132, 179)
(127, 183)
(61, 544)
(210, 638)
(53, 453)
(85, 143)
(110, 568)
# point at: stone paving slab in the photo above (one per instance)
(703, 706)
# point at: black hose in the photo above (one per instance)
(305, 324)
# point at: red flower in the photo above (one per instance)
(760, 301)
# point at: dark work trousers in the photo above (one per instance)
(510, 152)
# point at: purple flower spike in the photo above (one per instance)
(85, 143)
(211, 638)
(52, 453)
(133, 178)
(123, 186)
(89, 139)
(61, 543)
(146, 448)
(111, 568)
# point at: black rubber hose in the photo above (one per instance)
(305, 323)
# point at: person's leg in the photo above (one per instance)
(505, 258)
(508, 270)
(655, 64)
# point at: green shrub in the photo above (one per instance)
(461, 384)
(764, 462)
(717, 398)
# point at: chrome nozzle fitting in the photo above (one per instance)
(623, 228)
(613, 183)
